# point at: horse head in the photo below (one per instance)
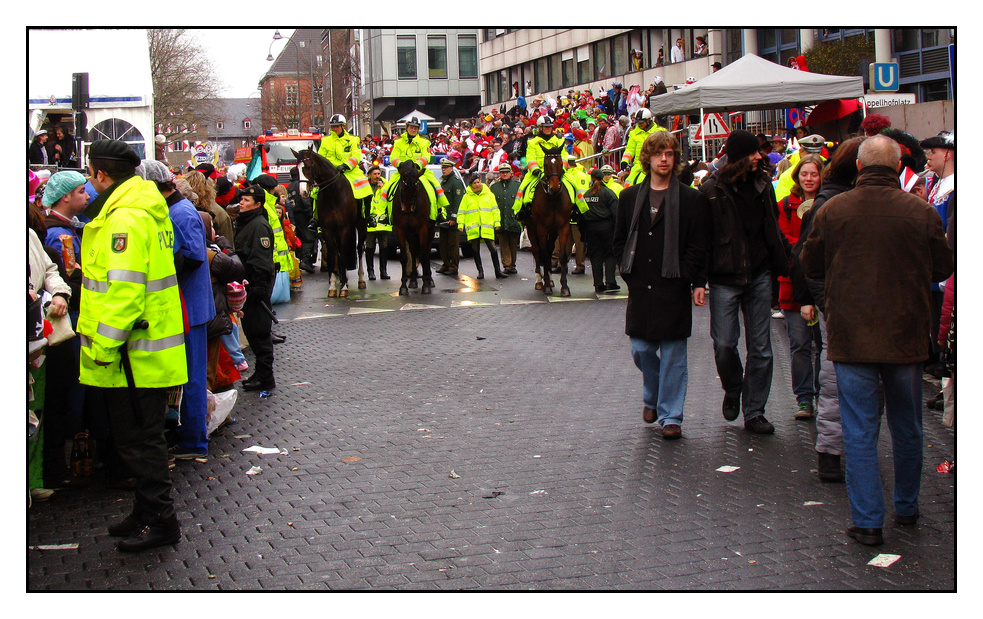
(315, 167)
(553, 168)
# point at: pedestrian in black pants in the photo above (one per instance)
(302, 213)
(597, 226)
(254, 246)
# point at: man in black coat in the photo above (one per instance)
(746, 250)
(660, 239)
(254, 246)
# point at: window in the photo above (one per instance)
(935, 37)
(556, 72)
(601, 60)
(406, 57)
(320, 60)
(467, 56)
(437, 57)
(318, 91)
(542, 71)
(220, 125)
(247, 124)
(619, 55)
(291, 94)
(566, 63)
(118, 129)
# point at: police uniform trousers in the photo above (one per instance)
(140, 443)
(257, 326)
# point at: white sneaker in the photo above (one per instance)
(777, 314)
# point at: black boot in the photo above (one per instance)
(498, 266)
(477, 260)
(383, 264)
(368, 264)
(162, 532)
(829, 468)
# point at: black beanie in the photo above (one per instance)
(740, 144)
(265, 181)
(116, 150)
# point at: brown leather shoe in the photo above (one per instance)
(648, 414)
(672, 432)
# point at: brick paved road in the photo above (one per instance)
(495, 445)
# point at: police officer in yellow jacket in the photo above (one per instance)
(535, 158)
(411, 146)
(129, 277)
(344, 151)
(645, 125)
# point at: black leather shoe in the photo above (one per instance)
(266, 385)
(151, 536)
(907, 520)
(759, 425)
(500, 275)
(481, 274)
(126, 527)
(612, 288)
(829, 468)
(307, 266)
(868, 537)
(732, 407)
(278, 339)
(578, 271)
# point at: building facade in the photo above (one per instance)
(292, 91)
(540, 61)
(433, 71)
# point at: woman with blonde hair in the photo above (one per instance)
(205, 188)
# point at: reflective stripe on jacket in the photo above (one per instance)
(129, 275)
(347, 150)
(478, 214)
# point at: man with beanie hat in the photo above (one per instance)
(194, 282)
(746, 250)
(131, 329)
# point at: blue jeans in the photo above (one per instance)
(804, 344)
(231, 343)
(192, 433)
(663, 379)
(857, 384)
(752, 382)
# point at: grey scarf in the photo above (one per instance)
(670, 254)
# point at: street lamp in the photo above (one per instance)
(276, 37)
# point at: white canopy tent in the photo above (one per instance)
(423, 117)
(753, 83)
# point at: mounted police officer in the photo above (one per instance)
(344, 151)
(535, 159)
(411, 146)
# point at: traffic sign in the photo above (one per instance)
(884, 76)
(713, 127)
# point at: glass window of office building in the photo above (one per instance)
(437, 56)
(406, 57)
(467, 55)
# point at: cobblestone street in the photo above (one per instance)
(484, 437)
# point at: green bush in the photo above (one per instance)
(849, 56)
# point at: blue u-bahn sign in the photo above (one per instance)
(884, 76)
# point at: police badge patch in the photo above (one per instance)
(264, 241)
(119, 242)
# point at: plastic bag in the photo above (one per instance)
(219, 407)
(281, 288)
(524, 239)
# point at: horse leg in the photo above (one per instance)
(534, 243)
(414, 261)
(425, 258)
(344, 242)
(360, 231)
(407, 264)
(546, 258)
(564, 238)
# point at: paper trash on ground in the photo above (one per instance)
(264, 451)
(883, 560)
(56, 547)
(728, 469)
(256, 470)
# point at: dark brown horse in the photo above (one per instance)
(339, 216)
(549, 222)
(413, 227)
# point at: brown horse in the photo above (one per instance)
(340, 218)
(549, 221)
(413, 227)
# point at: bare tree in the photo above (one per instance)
(185, 83)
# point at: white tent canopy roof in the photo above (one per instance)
(753, 83)
(418, 114)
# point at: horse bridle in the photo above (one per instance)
(308, 161)
(546, 177)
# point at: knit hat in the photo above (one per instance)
(224, 191)
(59, 185)
(116, 150)
(741, 144)
(207, 169)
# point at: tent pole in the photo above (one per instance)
(704, 137)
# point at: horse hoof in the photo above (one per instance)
(548, 290)
(332, 294)
(343, 294)
(403, 291)
(539, 285)
(414, 284)
(361, 285)
(426, 290)
(564, 292)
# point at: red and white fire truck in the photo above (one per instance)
(273, 151)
